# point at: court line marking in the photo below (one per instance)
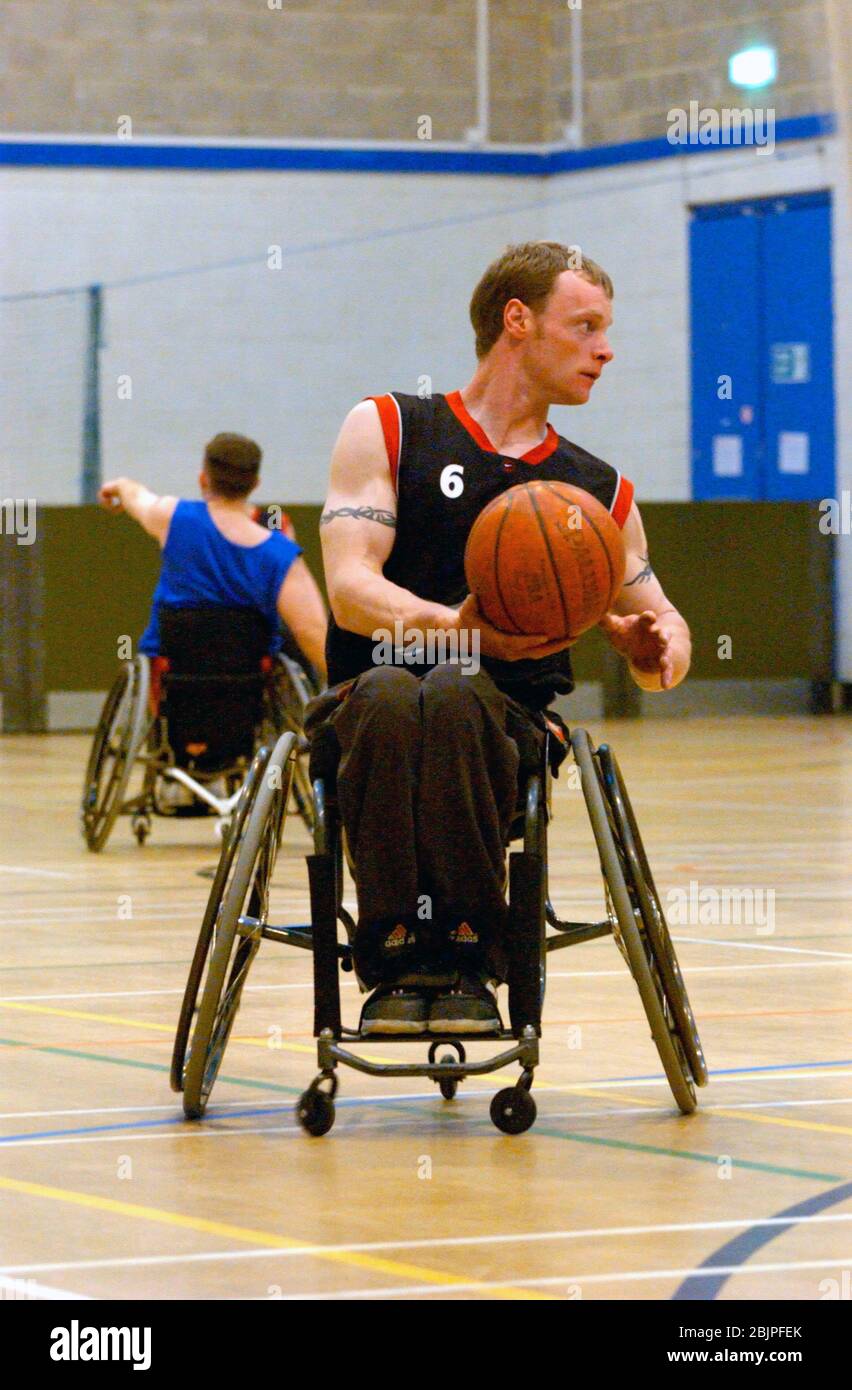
(554, 1281)
(743, 1246)
(763, 946)
(140, 993)
(103, 1134)
(36, 873)
(159, 1216)
(706, 969)
(425, 1243)
(732, 1113)
(28, 1288)
(635, 1107)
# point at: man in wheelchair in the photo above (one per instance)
(428, 753)
(211, 648)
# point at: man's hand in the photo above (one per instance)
(645, 641)
(153, 513)
(506, 646)
(109, 495)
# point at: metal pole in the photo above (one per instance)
(91, 477)
(574, 132)
(478, 134)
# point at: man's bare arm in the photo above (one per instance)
(153, 513)
(301, 606)
(643, 625)
(358, 528)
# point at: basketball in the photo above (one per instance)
(545, 557)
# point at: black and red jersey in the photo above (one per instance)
(445, 470)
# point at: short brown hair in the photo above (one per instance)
(232, 463)
(527, 272)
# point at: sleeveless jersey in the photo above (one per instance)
(445, 470)
(200, 566)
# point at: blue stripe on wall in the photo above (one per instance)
(133, 154)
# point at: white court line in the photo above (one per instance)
(553, 1281)
(745, 1077)
(761, 946)
(11, 1289)
(272, 1106)
(129, 993)
(427, 1243)
(385, 1121)
(706, 969)
(36, 873)
(352, 984)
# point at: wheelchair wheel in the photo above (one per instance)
(238, 927)
(292, 690)
(642, 887)
(232, 841)
(118, 738)
(631, 928)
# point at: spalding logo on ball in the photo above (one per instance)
(545, 558)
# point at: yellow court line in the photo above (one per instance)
(395, 1268)
(276, 1046)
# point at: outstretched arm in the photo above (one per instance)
(643, 625)
(152, 512)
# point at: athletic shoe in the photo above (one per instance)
(469, 1007)
(390, 1009)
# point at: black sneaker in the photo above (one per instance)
(469, 1007)
(391, 1009)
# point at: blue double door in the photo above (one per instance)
(762, 358)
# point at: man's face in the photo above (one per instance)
(568, 349)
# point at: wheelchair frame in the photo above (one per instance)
(236, 921)
(129, 733)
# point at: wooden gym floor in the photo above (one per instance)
(105, 1191)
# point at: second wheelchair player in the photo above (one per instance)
(221, 574)
(215, 553)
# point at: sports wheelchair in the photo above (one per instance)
(193, 718)
(237, 919)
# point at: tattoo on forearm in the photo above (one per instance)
(379, 514)
(644, 575)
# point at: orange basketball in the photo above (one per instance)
(545, 557)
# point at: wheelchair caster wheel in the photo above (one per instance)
(449, 1085)
(513, 1110)
(315, 1112)
(141, 826)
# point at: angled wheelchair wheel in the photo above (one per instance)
(118, 738)
(633, 936)
(237, 927)
(643, 890)
(291, 691)
(231, 844)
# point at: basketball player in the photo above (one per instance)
(429, 755)
(215, 553)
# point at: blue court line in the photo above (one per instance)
(210, 1116)
(727, 1071)
(743, 1246)
(146, 153)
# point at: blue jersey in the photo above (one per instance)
(201, 566)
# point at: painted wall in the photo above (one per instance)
(376, 276)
